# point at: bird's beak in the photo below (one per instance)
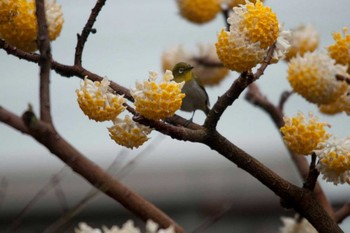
(190, 67)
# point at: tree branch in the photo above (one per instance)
(255, 97)
(311, 179)
(46, 135)
(82, 38)
(238, 86)
(44, 62)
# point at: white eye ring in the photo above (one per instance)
(181, 70)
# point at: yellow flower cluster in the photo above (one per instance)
(158, 101)
(334, 160)
(18, 25)
(128, 133)
(260, 24)
(199, 11)
(235, 55)
(304, 39)
(253, 28)
(302, 136)
(207, 75)
(340, 50)
(97, 102)
(313, 76)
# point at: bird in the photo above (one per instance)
(196, 96)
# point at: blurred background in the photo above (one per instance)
(190, 182)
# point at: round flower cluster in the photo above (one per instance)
(253, 29)
(97, 102)
(301, 135)
(305, 38)
(18, 24)
(199, 11)
(313, 76)
(334, 160)
(208, 69)
(158, 100)
(340, 50)
(128, 133)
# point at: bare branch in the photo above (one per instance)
(44, 62)
(82, 38)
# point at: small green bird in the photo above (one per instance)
(196, 96)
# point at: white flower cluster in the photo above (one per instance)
(128, 227)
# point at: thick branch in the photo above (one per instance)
(44, 62)
(82, 38)
(300, 199)
(47, 135)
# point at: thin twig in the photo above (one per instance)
(283, 99)
(88, 28)
(311, 179)
(212, 219)
(38, 196)
(44, 62)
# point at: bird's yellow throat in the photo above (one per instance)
(187, 76)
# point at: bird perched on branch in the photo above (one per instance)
(196, 96)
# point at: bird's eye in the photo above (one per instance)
(181, 70)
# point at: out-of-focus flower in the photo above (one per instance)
(340, 50)
(334, 160)
(128, 133)
(342, 104)
(199, 11)
(205, 73)
(313, 76)
(174, 55)
(292, 225)
(253, 29)
(158, 100)
(208, 69)
(304, 38)
(18, 25)
(303, 135)
(128, 227)
(97, 102)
